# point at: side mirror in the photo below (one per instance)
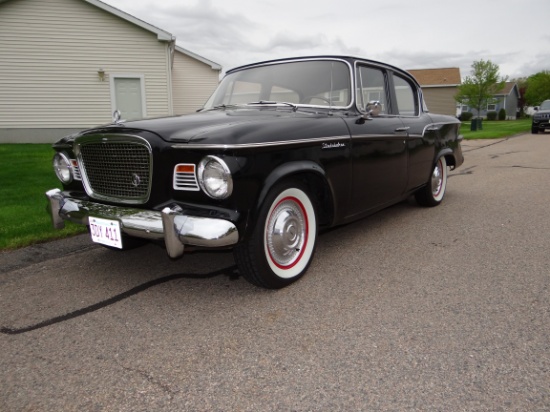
(374, 107)
(372, 110)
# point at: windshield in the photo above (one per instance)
(545, 105)
(312, 83)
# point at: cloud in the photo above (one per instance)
(537, 64)
(405, 34)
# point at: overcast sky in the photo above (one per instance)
(411, 34)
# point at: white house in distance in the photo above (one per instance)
(66, 65)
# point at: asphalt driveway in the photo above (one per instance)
(442, 309)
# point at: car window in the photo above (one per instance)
(317, 83)
(406, 101)
(371, 86)
(242, 92)
(282, 94)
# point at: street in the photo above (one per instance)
(430, 309)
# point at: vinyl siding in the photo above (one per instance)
(441, 99)
(50, 54)
(193, 83)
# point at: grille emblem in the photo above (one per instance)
(136, 180)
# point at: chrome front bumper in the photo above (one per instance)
(171, 225)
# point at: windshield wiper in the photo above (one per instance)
(222, 106)
(295, 107)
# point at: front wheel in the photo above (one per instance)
(432, 194)
(283, 242)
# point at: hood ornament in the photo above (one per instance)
(117, 117)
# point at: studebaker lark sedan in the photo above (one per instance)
(282, 150)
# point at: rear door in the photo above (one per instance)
(422, 133)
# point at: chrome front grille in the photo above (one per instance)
(115, 168)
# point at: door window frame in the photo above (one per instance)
(360, 89)
(414, 95)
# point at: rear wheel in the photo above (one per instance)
(283, 242)
(432, 194)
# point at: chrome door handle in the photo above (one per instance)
(402, 129)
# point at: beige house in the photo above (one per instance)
(66, 65)
(439, 87)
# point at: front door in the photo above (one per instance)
(128, 97)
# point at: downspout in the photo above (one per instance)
(170, 60)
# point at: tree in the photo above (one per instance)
(522, 88)
(538, 88)
(477, 90)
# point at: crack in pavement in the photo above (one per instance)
(472, 148)
(151, 379)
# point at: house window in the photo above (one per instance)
(464, 108)
(491, 107)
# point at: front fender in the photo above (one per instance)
(286, 170)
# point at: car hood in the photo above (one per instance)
(232, 126)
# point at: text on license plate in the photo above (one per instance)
(106, 232)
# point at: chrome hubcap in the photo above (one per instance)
(286, 233)
(437, 179)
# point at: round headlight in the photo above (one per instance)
(62, 167)
(215, 177)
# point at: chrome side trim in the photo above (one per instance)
(256, 145)
(435, 126)
(395, 136)
(176, 228)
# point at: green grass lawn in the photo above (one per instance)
(496, 129)
(26, 173)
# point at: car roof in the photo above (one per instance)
(350, 59)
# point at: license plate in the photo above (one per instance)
(106, 232)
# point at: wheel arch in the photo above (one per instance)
(313, 176)
(449, 156)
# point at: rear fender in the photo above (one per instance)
(449, 157)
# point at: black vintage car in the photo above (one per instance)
(282, 150)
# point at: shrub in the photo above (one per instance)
(491, 115)
(502, 114)
(465, 116)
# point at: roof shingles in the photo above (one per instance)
(437, 77)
